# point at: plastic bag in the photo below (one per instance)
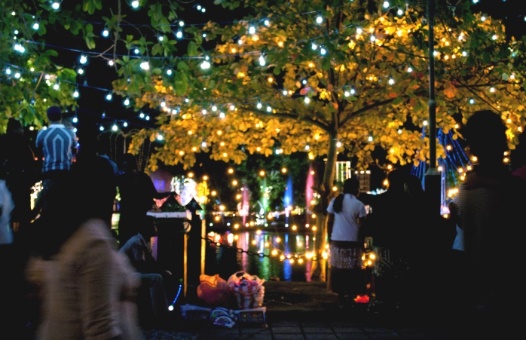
(213, 290)
(248, 290)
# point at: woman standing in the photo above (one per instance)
(346, 218)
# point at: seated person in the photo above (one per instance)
(151, 299)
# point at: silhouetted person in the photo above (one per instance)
(102, 168)
(393, 226)
(21, 171)
(490, 206)
(137, 193)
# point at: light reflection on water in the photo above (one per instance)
(248, 245)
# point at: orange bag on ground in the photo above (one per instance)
(213, 290)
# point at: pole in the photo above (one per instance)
(432, 177)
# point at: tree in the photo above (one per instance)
(41, 41)
(31, 81)
(330, 77)
(324, 77)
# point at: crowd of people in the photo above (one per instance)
(463, 267)
(68, 276)
(65, 274)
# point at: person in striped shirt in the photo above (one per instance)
(57, 145)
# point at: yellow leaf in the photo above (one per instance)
(450, 91)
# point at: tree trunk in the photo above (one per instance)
(319, 269)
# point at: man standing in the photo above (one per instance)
(57, 145)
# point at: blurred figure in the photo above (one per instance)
(346, 218)
(87, 288)
(490, 207)
(152, 298)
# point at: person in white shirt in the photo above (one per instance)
(346, 218)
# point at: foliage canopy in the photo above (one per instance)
(351, 83)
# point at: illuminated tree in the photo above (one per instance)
(329, 77)
(323, 77)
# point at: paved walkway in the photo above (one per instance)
(303, 326)
(309, 311)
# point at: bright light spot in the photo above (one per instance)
(145, 66)
(19, 48)
(205, 65)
